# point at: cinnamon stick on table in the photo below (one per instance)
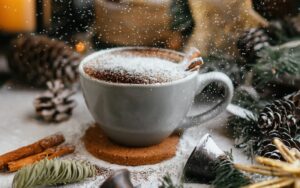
(49, 153)
(31, 149)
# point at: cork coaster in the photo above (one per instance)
(97, 143)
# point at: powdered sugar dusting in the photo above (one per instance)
(26, 129)
(149, 69)
(210, 146)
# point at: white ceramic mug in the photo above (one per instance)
(145, 114)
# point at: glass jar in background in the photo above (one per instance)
(17, 16)
(56, 18)
(23, 16)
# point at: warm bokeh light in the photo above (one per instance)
(17, 15)
(80, 47)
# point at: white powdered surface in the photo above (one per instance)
(151, 68)
(19, 127)
(210, 146)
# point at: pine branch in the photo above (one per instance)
(245, 131)
(276, 62)
(246, 134)
(228, 65)
(278, 118)
(247, 99)
(227, 176)
(52, 172)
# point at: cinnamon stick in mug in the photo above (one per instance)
(48, 153)
(31, 149)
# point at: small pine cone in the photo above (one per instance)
(268, 149)
(251, 42)
(38, 59)
(55, 104)
(278, 114)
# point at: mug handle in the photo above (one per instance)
(203, 80)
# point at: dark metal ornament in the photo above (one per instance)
(200, 165)
(119, 179)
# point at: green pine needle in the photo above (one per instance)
(276, 62)
(227, 176)
(246, 134)
(53, 172)
(228, 65)
(246, 100)
(245, 130)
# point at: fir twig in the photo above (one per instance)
(276, 62)
(228, 65)
(251, 133)
(53, 172)
(227, 176)
(245, 130)
(247, 99)
(246, 134)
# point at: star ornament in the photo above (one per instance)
(286, 174)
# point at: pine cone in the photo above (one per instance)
(281, 113)
(268, 149)
(277, 32)
(278, 120)
(251, 42)
(55, 104)
(38, 59)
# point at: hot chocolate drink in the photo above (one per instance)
(134, 69)
(156, 99)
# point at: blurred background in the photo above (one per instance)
(255, 42)
(232, 35)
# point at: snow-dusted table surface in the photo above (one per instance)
(19, 127)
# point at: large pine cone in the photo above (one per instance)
(251, 42)
(279, 120)
(55, 104)
(38, 59)
(281, 113)
(278, 31)
(268, 149)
